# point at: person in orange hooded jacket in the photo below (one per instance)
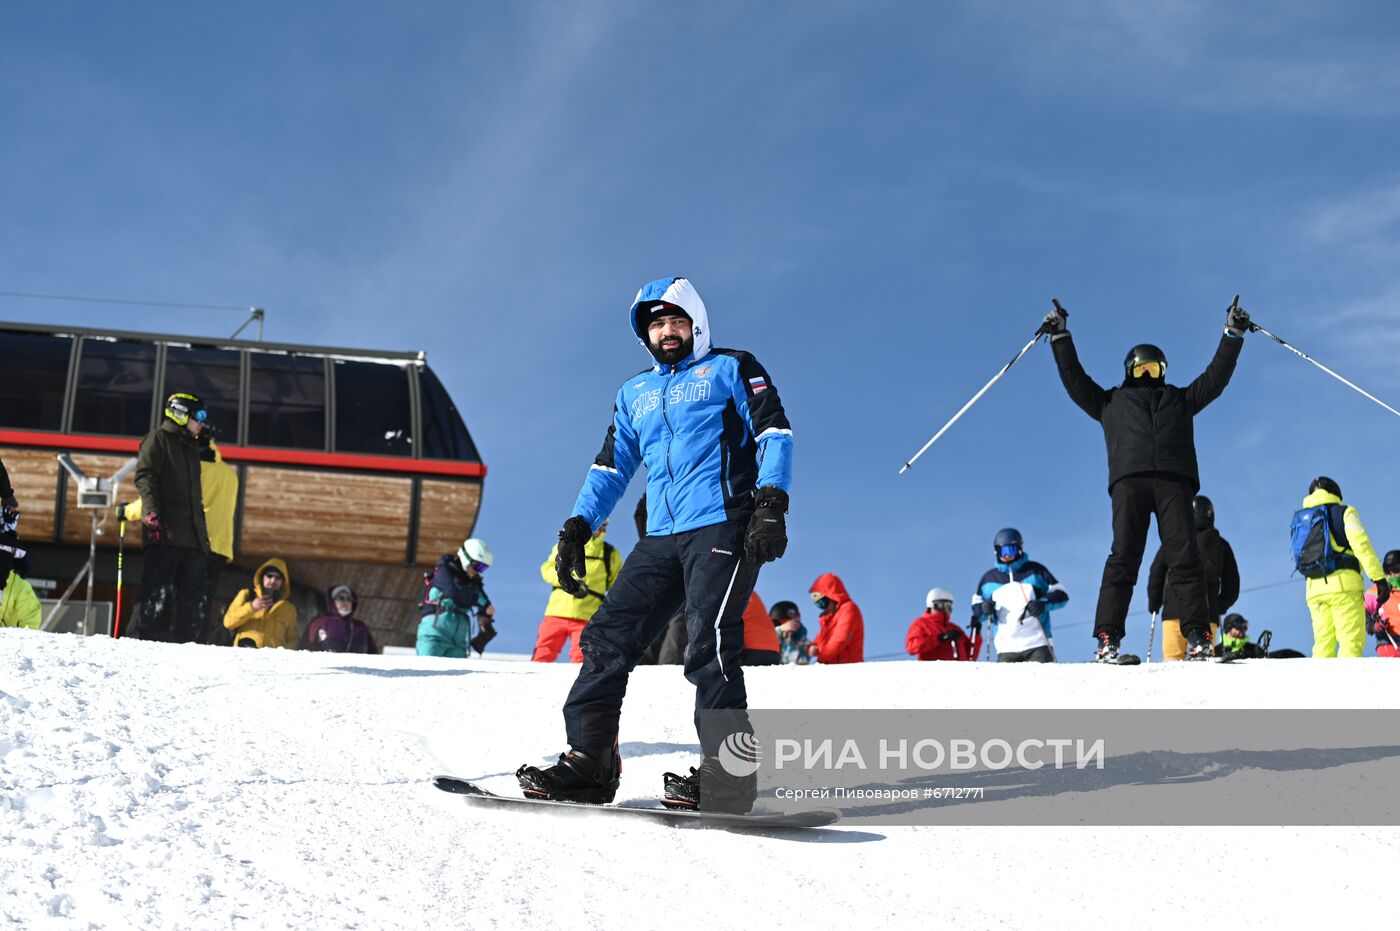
(761, 647)
(842, 635)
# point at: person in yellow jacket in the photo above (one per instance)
(264, 615)
(565, 616)
(219, 491)
(19, 606)
(1336, 595)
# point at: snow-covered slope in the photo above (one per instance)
(148, 785)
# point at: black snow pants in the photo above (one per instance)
(1135, 499)
(706, 569)
(173, 605)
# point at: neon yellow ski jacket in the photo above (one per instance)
(1345, 580)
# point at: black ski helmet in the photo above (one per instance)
(1234, 621)
(1326, 484)
(1391, 564)
(1203, 511)
(1144, 352)
(783, 611)
(1008, 545)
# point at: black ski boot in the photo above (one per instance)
(579, 776)
(1199, 649)
(1108, 648)
(710, 788)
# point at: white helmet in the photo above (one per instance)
(474, 551)
(936, 595)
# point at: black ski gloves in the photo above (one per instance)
(1056, 324)
(948, 636)
(1237, 321)
(1382, 593)
(766, 539)
(1034, 608)
(569, 565)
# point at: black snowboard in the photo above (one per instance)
(1124, 659)
(807, 819)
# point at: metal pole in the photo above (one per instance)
(121, 550)
(63, 599)
(975, 398)
(1303, 355)
(1151, 636)
(91, 577)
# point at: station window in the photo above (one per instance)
(373, 413)
(212, 376)
(286, 401)
(33, 380)
(444, 434)
(116, 381)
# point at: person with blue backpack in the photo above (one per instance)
(1331, 548)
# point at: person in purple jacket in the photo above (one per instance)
(338, 630)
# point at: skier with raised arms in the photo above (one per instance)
(710, 428)
(1148, 427)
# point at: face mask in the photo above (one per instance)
(1394, 581)
(1234, 644)
(822, 603)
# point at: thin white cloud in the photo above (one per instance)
(1203, 56)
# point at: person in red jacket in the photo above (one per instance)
(934, 636)
(1383, 618)
(842, 635)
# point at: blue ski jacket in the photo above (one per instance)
(710, 429)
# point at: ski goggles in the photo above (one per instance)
(1149, 369)
(1009, 552)
(479, 567)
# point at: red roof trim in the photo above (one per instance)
(292, 457)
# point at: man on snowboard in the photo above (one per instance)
(710, 428)
(1148, 426)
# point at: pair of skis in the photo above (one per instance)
(475, 794)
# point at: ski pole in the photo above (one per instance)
(121, 547)
(1151, 636)
(1303, 355)
(985, 388)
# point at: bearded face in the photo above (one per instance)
(670, 337)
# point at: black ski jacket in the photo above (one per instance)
(1148, 428)
(168, 479)
(1222, 575)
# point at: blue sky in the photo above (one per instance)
(876, 199)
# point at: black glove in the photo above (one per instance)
(485, 635)
(988, 609)
(975, 625)
(1153, 609)
(1034, 608)
(1056, 324)
(1382, 593)
(948, 636)
(766, 539)
(1237, 321)
(569, 565)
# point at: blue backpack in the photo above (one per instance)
(1314, 530)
